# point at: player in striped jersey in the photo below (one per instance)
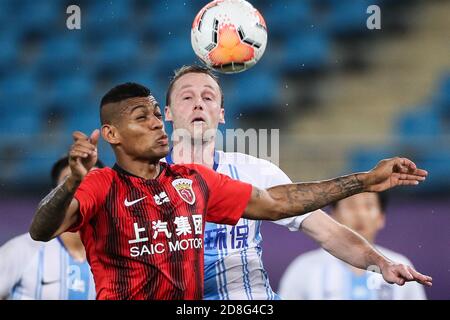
(142, 221)
(233, 254)
(317, 275)
(56, 270)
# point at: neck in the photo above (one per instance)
(73, 244)
(191, 152)
(147, 169)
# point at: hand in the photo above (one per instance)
(83, 153)
(400, 273)
(393, 172)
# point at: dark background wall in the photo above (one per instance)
(416, 228)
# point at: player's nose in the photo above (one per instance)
(199, 104)
(156, 124)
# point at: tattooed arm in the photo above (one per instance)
(56, 212)
(59, 210)
(298, 198)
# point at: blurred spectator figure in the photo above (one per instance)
(317, 275)
(54, 270)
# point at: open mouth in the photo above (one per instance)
(198, 120)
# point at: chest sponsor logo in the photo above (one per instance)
(184, 189)
(161, 198)
(187, 234)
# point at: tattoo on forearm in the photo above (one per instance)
(258, 193)
(51, 212)
(306, 197)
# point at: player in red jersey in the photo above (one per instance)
(142, 221)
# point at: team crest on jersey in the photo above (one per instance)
(184, 189)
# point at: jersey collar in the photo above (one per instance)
(121, 170)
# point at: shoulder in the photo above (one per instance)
(187, 169)
(242, 159)
(250, 165)
(99, 176)
(21, 247)
(101, 172)
(23, 241)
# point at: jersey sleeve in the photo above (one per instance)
(275, 177)
(91, 194)
(228, 198)
(14, 258)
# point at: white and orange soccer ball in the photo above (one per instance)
(229, 36)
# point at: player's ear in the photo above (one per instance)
(168, 114)
(110, 134)
(222, 116)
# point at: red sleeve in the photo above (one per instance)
(228, 198)
(91, 193)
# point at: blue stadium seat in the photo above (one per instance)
(35, 167)
(172, 54)
(105, 18)
(117, 53)
(442, 96)
(363, 158)
(22, 124)
(284, 19)
(347, 17)
(72, 92)
(436, 161)
(37, 16)
(10, 50)
(426, 153)
(84, 120)
(169, 18)
(252, 91)
(308, 51)
(422, 123)
(61, 56)
(18, 91)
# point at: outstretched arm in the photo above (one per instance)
(299, 198)
(350, 247)
(59, 209)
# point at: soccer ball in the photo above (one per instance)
(229, 36)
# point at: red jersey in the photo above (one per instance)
(144, 238)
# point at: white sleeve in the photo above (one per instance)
(292, 283)
(14, 257)
(275, 177)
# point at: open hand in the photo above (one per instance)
(400, 273)
(393, 172)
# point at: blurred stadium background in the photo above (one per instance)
(342, 95)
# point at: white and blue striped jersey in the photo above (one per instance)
(317, 275)
(31, 270)
(233, 254)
